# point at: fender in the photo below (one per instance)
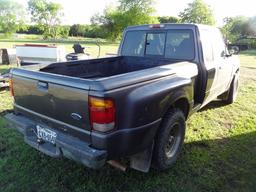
(150, 102)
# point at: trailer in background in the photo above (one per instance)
(31, 57)
(30, 54)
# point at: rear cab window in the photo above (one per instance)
(172, 44)
(155, 44)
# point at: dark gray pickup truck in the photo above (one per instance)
(133, 105)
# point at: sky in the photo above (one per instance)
(80, 11)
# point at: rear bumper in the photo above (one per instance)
(126, 142)
(66, 145)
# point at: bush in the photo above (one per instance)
(92, 31)
(253, 44)
(95, 31)
(63, 31)
(77, 30)
(250, 42)
(57, 32)
(31, 29)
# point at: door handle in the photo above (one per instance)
(220, 67)
(42, 85)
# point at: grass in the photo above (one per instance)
(219, 154)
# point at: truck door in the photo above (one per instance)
(222, 62)
(212, 70)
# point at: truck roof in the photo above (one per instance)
(169, 25)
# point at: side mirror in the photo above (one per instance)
(225, 54)
(233, 50)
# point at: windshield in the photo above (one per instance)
(172, 44)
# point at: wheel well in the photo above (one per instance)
(183, 105)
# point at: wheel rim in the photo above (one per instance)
(172, 144)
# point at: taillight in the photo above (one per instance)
(102, 114)
(11, 87)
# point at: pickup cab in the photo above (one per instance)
(134, 105)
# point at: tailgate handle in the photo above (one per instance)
(42, 85)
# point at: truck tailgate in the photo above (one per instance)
(60, 98)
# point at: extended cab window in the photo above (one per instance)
(172, 44)
(180, 45)
(207, 46)
(219, 47)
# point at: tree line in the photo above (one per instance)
(45, 19)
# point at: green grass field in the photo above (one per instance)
(219, 154)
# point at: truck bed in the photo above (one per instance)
(104, 67)
(58, 95)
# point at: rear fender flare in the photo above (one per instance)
(174, 98)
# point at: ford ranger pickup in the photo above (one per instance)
(134, 105)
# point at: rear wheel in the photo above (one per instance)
(232, 92)
(169, 140)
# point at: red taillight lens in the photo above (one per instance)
(102, 114)
(11, 87)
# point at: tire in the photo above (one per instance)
(169, 140)
(233, 89)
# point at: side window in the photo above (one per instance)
(155, 43)
(219, 45)
(207, 45)
(180, 44)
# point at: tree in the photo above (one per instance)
(145, 6)
(11, 16)
(129, 12)
(47, 15)
(197, 12)
(239, 27)
(234, 27)
(251, 27)
(168, 19)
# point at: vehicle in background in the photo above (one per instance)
(134, 105)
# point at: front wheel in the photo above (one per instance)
(169, 140)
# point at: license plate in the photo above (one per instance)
(46, 134)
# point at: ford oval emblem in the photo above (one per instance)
(76, 116)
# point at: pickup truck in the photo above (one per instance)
(133, 106)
